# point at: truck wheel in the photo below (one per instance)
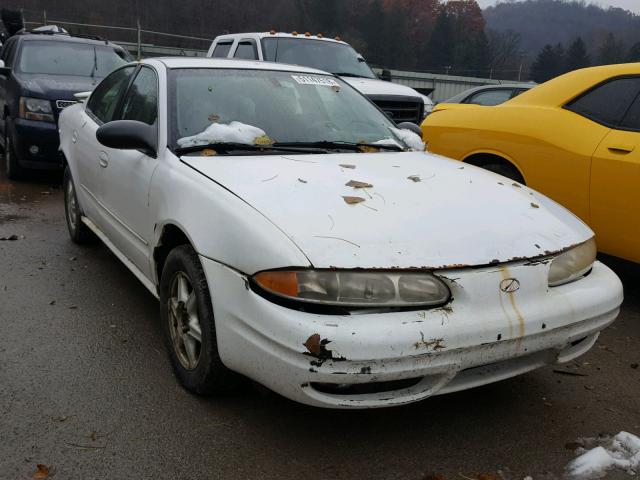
(14, 170)
(78, 231)
(189, 325)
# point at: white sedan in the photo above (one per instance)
(295, 236)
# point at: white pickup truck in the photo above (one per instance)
(399, 102)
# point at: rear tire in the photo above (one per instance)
(78, 231)
(14, 170)
(188, 325)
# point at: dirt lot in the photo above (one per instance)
(86, 388)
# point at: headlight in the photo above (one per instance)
(572, 264)
(355, 289)
(36, 109)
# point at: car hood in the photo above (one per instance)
(56, 87)
(420, 210)
(372, 86)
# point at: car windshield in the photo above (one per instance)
(70, 58)
(261, 107)
(337, 58)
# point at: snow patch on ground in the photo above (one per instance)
(621, 451)
(234, 132)
(413, 141)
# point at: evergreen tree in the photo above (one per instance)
(611, 51)
(548, 64)
(440, 49)
(577, 56)
(634, 53)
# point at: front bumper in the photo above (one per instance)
(383, 359)
(44, 136)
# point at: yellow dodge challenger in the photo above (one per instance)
(575, 138)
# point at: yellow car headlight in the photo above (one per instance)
(572, 264)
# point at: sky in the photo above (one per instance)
(633, 5)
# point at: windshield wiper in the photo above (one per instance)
(225, 147)
(349, 74)
(353, 146)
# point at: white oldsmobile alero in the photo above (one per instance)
(294, 235)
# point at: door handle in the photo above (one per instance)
(104, 160)
(623, 149)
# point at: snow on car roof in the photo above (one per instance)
(199, 62)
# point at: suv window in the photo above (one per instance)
(608, 102)
(104, 99)
(141, 101)
(246, 50)
(8, 52)
(221, 50)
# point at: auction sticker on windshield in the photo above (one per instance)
(315, 80)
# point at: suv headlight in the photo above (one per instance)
(572, 264)
(36, 109)
(356, 289)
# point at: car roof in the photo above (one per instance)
(200, 62)
(301, 36)
(562, 89)
(62, 37)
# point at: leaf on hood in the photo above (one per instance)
(535, 205)
(263, 140)
(353, 200)
(346, 165)
(415, 178)
(357, 184)
(41, 472)
(368, 149)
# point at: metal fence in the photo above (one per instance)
(439, 87)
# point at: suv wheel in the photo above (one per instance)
(78, 231)
(189, 325)
(14, 170)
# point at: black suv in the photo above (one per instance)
(39, 74)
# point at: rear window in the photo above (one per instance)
(221, 50)
(69, 58)
(607, 103)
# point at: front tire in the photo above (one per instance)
(188, 323)
(14, 170)
(506, 170)
(78, 231)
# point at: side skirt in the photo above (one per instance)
(128, 263)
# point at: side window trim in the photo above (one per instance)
(119, 105)
(599, 121)
(118, 112)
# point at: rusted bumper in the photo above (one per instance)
(487, 333)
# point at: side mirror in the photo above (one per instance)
(129, 135)
(386, 75)
(4, 70)
(412, 127)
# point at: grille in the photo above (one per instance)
(401, 109)
(62, 104)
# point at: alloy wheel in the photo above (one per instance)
(184, 323)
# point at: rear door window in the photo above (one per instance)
(246, 50)
(105, 98)
(221, 49)
(607, 103)
(490, 97)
